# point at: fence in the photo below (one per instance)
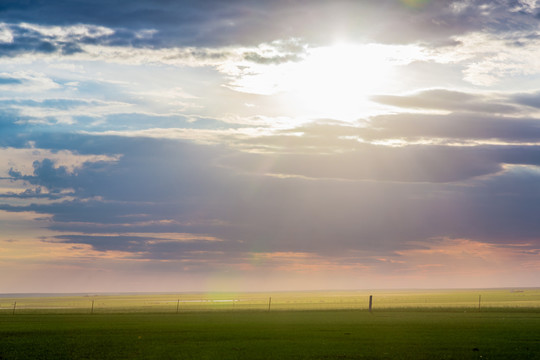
(350, 300)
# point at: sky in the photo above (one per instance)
(178, 145)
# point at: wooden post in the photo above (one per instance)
(177, 306)
(92, 309)
(269, 302)
(479, 300)
(14, 307)
(370, 302)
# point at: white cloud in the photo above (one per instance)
(22, 159)
(75, 68)
(526, 6)
(190, 56)
(459, 6)
(6, 36)
(94, 108)
(201, 136)
(29, 81)
(145, 34)
(73, 32)
(489, 59)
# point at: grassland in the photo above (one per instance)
(316, 300)
(406, 330)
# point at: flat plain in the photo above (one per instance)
(464, 324)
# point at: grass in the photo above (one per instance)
(403, 325)
(345, 300)
(398, 334)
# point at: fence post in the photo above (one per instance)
(92, 309)
(479, 300)
(14, 307)
(177, 306)
(370, 302)
(269, 302)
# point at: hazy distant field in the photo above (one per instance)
(345, 300)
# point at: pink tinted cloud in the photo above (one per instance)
(467, 262)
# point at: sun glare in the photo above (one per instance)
(334, 81)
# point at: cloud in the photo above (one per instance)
(9, 81)
(126, 129)
(24, 81)
(6, 36)
(61, 111)
(45, 174)
(529, 99)
(31, 194)
(409, 164)
(460, 127)
(490, 57)
(139, 246)
(277, 52)
(214, 23)
(455, 101)
(465, 261)
(61, 39)
(171, 187)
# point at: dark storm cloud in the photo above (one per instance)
(216, 23)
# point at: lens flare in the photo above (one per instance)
(415, 3)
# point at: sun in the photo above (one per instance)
(337, 81)
(330, 81)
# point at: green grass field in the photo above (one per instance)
(343, 334)
(407, 330)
